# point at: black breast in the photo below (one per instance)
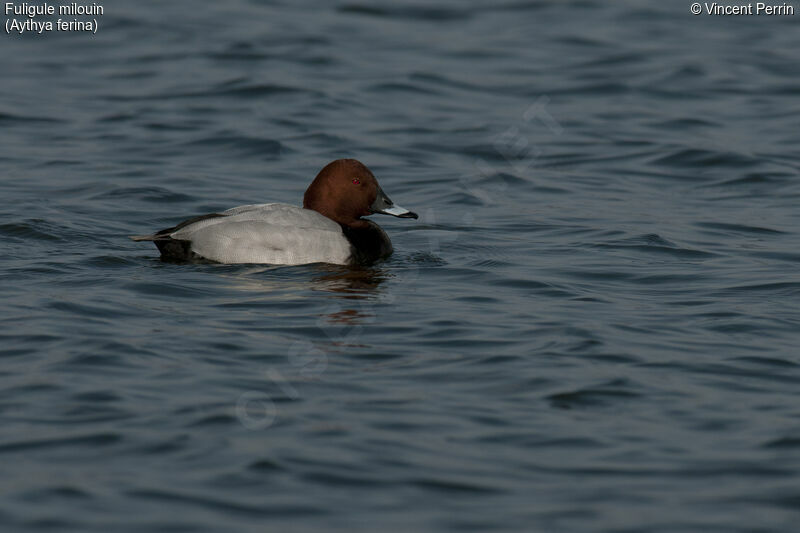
(369, 243)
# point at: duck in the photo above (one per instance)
(329, 228)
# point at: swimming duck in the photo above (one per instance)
(329, 228)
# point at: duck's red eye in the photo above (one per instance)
(356, 181)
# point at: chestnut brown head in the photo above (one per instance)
(346, 190)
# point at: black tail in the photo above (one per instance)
(139, 238)
(174, 249)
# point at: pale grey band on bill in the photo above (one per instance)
(397, 211)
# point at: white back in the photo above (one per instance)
(277, 234)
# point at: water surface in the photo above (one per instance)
(592, 327)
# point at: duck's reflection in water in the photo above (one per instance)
(354, 292)
(322, 310)
(350, 283)
(348, 294)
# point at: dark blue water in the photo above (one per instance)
(594, 326)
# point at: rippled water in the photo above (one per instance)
(592, 327)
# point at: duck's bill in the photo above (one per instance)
(385, 206)
(399, 212)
